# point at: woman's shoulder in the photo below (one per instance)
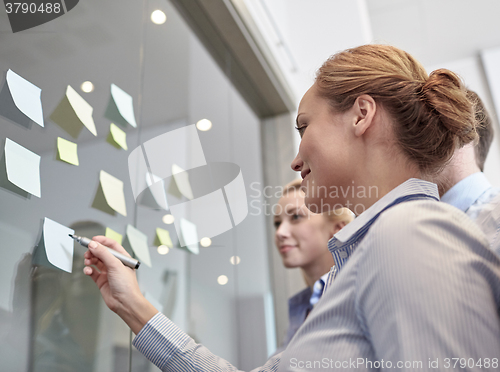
(426, 224)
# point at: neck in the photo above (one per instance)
(461, 166)
(313, 273)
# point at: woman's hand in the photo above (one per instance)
(117, 283)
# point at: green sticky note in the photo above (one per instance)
(163, 238)
(112, 234)
(67, 151)
(117, 137)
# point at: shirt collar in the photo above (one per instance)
(464, 193)
(411, 187)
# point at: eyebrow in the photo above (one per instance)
(292, 209)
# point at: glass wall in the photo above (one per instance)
(54, 320)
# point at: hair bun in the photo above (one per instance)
(445, 96)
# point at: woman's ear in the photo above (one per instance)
(364, 109)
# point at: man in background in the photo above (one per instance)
(464, 185)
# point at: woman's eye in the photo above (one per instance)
(277, 224)
(296, 217)
(301, 129)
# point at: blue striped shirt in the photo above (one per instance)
(415, 283)
(475, 196)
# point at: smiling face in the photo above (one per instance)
(301, 236)
(327, 152)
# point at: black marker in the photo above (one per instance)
(127, 261)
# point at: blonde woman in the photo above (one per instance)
(301, 238)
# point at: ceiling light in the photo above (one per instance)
(163, 249)
(235, 260)
(204, 125)
(222, 280)
(168, 219)
(87, 87)
(205, 242)
(158, 17)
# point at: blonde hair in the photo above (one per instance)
(432, 115)
(337, 215)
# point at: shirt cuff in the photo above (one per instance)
(160, 339)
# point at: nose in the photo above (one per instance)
(283, 231)
(297, 163)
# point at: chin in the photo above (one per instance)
(316, 205)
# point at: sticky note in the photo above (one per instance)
(163, 238)
(56, 247)
(21, 100)
(120, 107)
(73, 113)
(23, 167)
(157, 187)
(112, 234)
(181, 178)
(117, 137)
(189, 236)
(67, 151)
(138, 242)
(110, 197)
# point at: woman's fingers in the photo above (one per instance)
(92, 272)
(108, 242)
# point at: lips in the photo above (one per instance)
(304, 173)
(286, 248)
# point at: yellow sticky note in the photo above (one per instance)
(163, 238)
(82, 109)
(110, 197)
(112, 234)
(181, 178)
(73, 113)
(117, 137)
(67, 151)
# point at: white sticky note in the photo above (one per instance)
(57, 246)
(112, 188)
(182, 180)
(23, 167)
(26, 96)
(82, 109)
(139, 244)
(124, 104)
(189, 236)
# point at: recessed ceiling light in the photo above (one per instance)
(87, 87)
(163, 249)
(235, 260)
(158, 17)
(222, 280)
(168, 219)
(205, 242)
(204, 125)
